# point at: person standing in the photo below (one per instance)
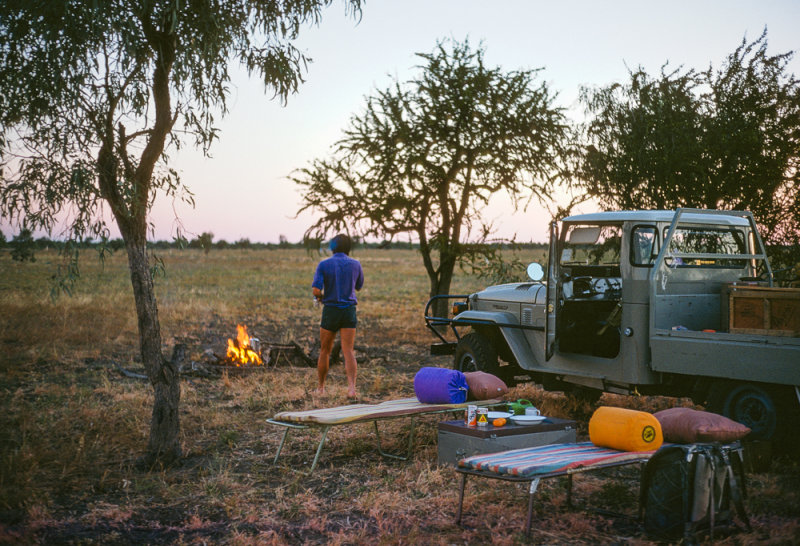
(335, 283)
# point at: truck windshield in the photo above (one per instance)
(592, 245)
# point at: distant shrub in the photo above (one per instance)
(242, 243)
(204, 241)
(22, 246)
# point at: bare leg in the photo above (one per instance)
(326, 338)
(348, 337)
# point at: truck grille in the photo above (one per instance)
(527, 316)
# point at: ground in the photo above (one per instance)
(72, 424)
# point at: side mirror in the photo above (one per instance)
(535, 272)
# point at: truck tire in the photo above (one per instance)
(475, 353)
(748, 403)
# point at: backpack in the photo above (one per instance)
(691, 489)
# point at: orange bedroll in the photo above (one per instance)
(625, 429)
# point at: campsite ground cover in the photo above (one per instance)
(72, 424)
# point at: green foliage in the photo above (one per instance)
(725, 138)
(243, 243)
(495, 269)
(22, 246)
(426, 155)
(204, 241)
(313, 245)
(93, 95)
(99, 91)
(68, 272)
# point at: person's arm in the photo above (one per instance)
(318, 283)
(360, 278)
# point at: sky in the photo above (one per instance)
(243, 190)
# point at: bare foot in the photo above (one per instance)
(320, 391)
(352, 394)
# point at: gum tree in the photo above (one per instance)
(426, 155)
(723, 138)
(92, 97)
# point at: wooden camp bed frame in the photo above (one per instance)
(326, 418)
(538, 463)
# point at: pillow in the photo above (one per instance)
(440, 386)
(687, 426)
(484, 386)
(625, 429)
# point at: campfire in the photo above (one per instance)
(244, 350)
(246, 354)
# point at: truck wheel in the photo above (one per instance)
(475, 353)
(749, 404)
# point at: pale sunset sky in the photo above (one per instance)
(242, 191)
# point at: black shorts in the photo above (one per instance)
(336, 318)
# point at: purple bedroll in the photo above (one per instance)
(440, 386)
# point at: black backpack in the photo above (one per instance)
(688, 490)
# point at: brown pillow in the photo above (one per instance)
(484, 386)
(687, 426)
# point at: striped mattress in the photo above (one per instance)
(548, 459)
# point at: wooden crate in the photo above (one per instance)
(761, 310)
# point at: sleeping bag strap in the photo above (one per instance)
(712, 513)
(687, 506)
(736, 493)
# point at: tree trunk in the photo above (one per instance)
(164, 444)
(440, 284)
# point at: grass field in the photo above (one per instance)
(72, 424)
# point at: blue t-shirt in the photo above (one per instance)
(339, 277)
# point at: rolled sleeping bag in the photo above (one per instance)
(440, 386)
(625, 429)
(483, 386)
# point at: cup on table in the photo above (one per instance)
(532, 412)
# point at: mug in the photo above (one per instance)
(518, 407)
(532, 411)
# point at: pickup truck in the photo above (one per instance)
(676, 303)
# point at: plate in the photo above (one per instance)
(527, 419)
(498, 415)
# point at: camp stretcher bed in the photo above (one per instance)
(534, 464)
(326, 418)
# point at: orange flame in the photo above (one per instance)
(240, 350)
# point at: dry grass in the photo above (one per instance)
(71, 425)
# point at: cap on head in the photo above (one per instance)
(341, 243)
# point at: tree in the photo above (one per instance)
(726, 138)
(204, 241)
(426, 155)
(92, 97)
(22, 246)
(243, 243)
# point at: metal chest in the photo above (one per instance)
(457, 440)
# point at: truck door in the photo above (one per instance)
(553, 282)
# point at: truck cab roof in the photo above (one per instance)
(656, 216)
